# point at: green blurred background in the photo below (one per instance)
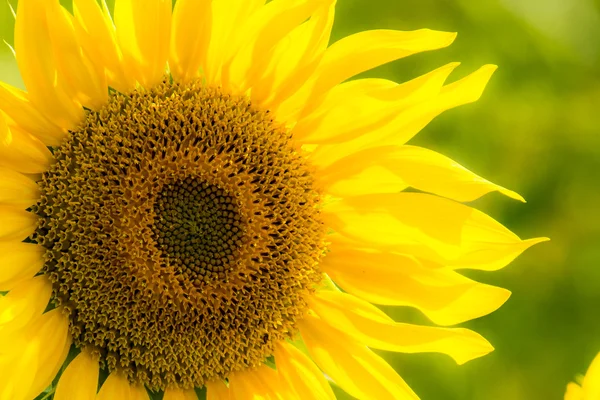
(536, 130)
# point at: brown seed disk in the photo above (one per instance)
(183, 234)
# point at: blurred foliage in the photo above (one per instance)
(536, 131)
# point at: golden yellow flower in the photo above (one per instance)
(198, 197)
(588, 387)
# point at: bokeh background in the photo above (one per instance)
(536, 130)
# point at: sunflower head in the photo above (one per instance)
(200, 196)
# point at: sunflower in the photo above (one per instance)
(198, 197)
(588, 387)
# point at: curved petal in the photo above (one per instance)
(368, 325)
(47, 87)
(23, 304)
(228, 16)
(51, 331)
(117, 386)
(86, 79)
(262, 383)
(261, 34)
(80, 379)
(17, 189)
(144, 35)
(19, 262)
(574, 392)
(429, 227)
(363, 51)
(97, 35)
(295, 58)
(303, 376)
(217, 391)
(358, 107)
(16, 223)
(17, 106)
(21, 151)
(355, 368)
(411, 120)
(179, 394)
(417, 167)
(190, 38)
(379, 277)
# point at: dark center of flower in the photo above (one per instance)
(182, 232)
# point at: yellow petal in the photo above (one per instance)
(295, 58)
(46, 86)
(190, 38)
(80, 378)
(372, 179)
(261, 34)
(16, 223)
(307, 381)
(373, 328)
(55, 343)
(358, 107)
(574, 392)
(227, 16)
(117, 386)
(591, 382)
(413, 166)
(217, 391)
(16, 379)
(355, 368)
(179, 394)
(18, 262)
(260, 383)
(369, 49)
(21, 151)
(86, 79)
(143, 34)
(17, 189)
(23, 304)
(411, 120)
(429, 227)
(15, 103)
(387, 278)
(97, 35)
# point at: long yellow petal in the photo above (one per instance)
(411, 120)
(18, 262)
(355, 108)
(21, 151)
(190, 38)
(179, 394)
(261, 34)
(260, 383)
(227, 16)
(17, 106)
(217, 391)
(117, 386)
(97, 35)
(355, 368)
(17, 189)
(383, 277)
(417, 167)
(427, 226)
(86, 79)
(80, 378)
(371, 327)
(295, 58)
(304, 377)
(591, 382)
(47, 88)
(16, 378)
(23, 304)
(144, 35)
(55, 343)
(369, 49)
(17, 224)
